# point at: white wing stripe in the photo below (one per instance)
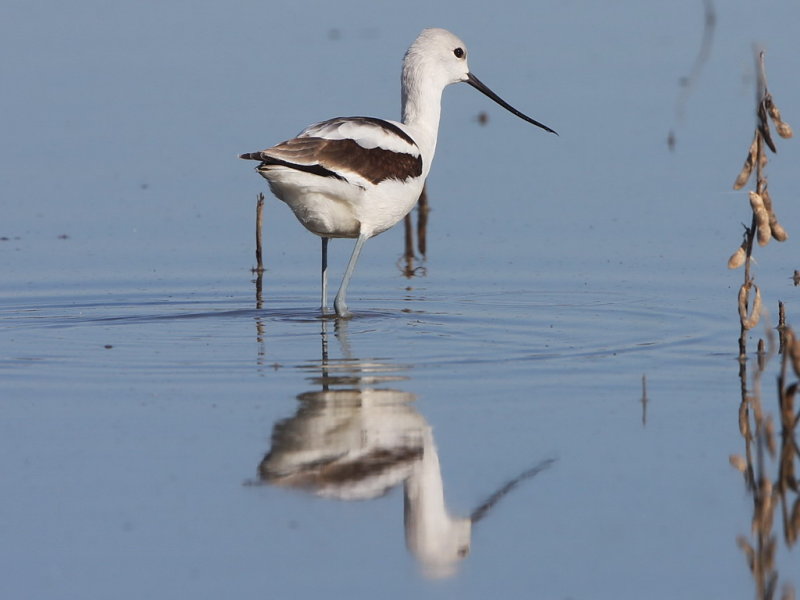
(366, 132)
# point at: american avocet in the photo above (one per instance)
(355, 177)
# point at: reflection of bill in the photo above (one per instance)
(357, 444)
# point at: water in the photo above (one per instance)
(166, 431)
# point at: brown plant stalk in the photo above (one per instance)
(764, 224)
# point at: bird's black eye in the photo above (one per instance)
(459, 52)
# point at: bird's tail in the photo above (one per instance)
(252, 156)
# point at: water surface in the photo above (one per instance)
(168, 431)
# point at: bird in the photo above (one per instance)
(356, 177)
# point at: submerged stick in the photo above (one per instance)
(259, 222)
(408, 268)
(644, 400)
(408, 252)
(422, 222)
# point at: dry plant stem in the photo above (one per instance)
(407, 260)
(260, 296)
(422, 222)
(749, 319)
(764, 225)
(756, 159)
(408, 268)
(259, 269)
(750, 236)
(762, 355)
(408, 252)
(787, 341)
(781, 328)
(259, 225)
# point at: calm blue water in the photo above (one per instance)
(166, 433)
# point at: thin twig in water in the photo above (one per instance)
(408, 268)
(259, 224)
(422, 222)
(644, 400)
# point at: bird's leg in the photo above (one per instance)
(324, 305)
(339, 302)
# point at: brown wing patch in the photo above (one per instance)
(339, 157)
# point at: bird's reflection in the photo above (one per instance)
(354, 440)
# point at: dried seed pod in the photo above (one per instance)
(769, 431)
(793, 351)
(743, 290)
(778, 232)
(782, 128)
(768, 561)
(755, 402)
(756, 201)
(766, 199)
(788, 592)
(766, 491)
(772, 110)
(748, 322)
(744, 421)
(796, 516)
(763, 126)
(749, 163)
(789, 420)
(762, 218)
(738, 462)
(749, 553)
(737, 258)
(763, 229)
(762, 520)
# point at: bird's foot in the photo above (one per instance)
(341, 310)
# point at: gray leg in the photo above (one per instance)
(339, 302)
(324, 274)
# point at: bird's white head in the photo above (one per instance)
(436, 59)
(437, 56)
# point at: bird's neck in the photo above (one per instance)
(422, 108)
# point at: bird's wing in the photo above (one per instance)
(367, 132)
(356, 149)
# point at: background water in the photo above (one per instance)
(154, 413)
